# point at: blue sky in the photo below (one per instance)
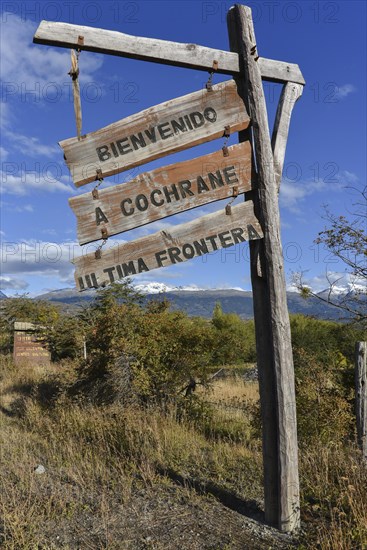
(325, 152)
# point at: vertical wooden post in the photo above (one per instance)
(361, 395)
(273, 338)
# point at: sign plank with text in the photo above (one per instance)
(164, 248)
(163, 192)
(172, 126)
(28, 347)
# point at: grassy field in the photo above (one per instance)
(135, 478)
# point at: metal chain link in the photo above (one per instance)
(209, 84)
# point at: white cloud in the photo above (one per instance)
(37, 257)
(35, 73)
(3, 153)
(25, 66)
(293, 193)
(13, 283)
(28, 145)
(161, 275)
(26, 182)
(50, 231)
(19, 208)
(341, 282)
(349, 177)
(5, 116)
(342, 92)
(31, 146)
(44, 258)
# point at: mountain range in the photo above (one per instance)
(196, 301)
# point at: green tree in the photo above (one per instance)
(154, 350)
(65, 338)
(234, 338)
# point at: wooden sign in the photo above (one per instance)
(174, 126)
(193, 56)
(166, 128)
(163, 192)
(183, 242)
(28, 347)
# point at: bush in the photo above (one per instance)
(234, 338)
(158, 353)
(324, 400)
(320, 337)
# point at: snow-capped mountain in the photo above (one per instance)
(157, 288)
(197, 301)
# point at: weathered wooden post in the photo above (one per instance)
(273, 338)
(361, 395)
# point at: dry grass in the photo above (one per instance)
(98, 460)
(334, 483)
(234, 405)
(235, 390)
(93, 457)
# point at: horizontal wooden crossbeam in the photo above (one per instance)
(191, 56)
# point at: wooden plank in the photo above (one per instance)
(191, 56)
(167, 128)
(165, 248)
(163, 192)
(290, 94)
(280, 71)
(273, 337)
(361, 395)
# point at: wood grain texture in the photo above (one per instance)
(192, 56)
(163, 192)
(361, 395)
(290, 95)
(168, 247)
(273, 338)
(155, 132)
(74, 73)
(279, 71)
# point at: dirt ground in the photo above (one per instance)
(161, 517)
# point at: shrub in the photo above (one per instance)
(234, 338)
(324, 401)
(155, 351)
